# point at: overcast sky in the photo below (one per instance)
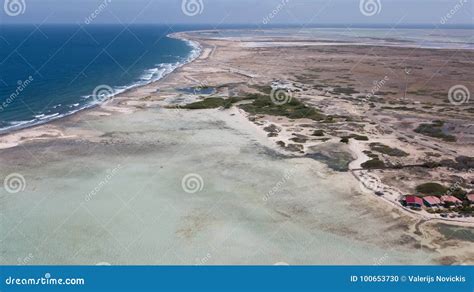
(299, 12)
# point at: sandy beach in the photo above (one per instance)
(107, 184)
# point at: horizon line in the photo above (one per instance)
(391, 25)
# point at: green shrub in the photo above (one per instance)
(431, 188)
(373, 163)
(384, 149)
(345, 140)
(294, 109)
(318, 133)
(215, 102)
(435, 130)
(212, 102)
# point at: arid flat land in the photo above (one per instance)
(392, 105)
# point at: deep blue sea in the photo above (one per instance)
(50, 71)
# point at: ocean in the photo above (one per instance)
(50, 71)
(47, 72)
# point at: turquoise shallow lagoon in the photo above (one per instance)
(119, 199)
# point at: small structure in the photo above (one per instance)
(432, 201)
(450, 201)
(470, 198)
(413, 201)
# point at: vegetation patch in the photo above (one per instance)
(318, 133)
(346, 90)
(299, 139)
(294, 109)
(334, 159)
(373, 163)
(272, 129)
(264, 89)
(431, 188)
(345, 140)
(435, 129)
(384, 149)
(357, 137)
(461, 163)
(295, 148)
(399, 108)
(213, 102)
(370, 154)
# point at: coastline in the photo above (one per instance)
(32, 133)
(168, 69)
(137, 99)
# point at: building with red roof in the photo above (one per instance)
(470, 198)
(450, 200)
(432, 201)
(413, 201)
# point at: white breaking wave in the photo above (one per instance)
(149, 76)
